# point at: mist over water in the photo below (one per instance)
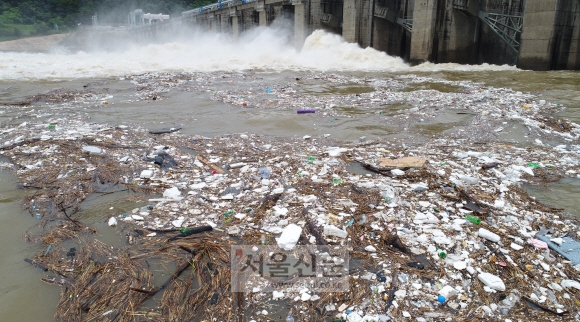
(266, 49)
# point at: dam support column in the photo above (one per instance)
(574, 58)
(315, 14)
(424, 22)
(349, 21)
(225, 23)
(235, 27)
(211, 20)
(299, 23)
(537, 34)
(262, 18)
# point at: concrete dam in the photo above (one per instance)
(532, 34)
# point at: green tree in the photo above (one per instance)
(41, 28)
(11, 16)
(70, 12)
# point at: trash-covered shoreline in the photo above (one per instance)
(442, 229)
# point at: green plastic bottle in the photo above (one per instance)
(473, 219)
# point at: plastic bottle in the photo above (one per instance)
(290, 318)
(36, 213)
(363, 220)
(548, 256)
(332, 230)
(195, 230)
(214, 298)
(488, 235)
(534, 165)
(263, 240)
(364, 304)
(441, 253)
(509, 302)
(552, 296)
(473, 219)
(468, 179)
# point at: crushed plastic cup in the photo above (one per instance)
(264, 172)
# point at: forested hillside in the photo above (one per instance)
(22, 18)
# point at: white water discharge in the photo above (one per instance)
(267, 49)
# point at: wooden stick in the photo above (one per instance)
(173, 277)
(384, 172)
(216, 168)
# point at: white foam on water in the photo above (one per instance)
(430, 67)
(267, 49)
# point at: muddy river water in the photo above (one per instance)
(24, 298)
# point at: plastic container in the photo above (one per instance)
(290, 318)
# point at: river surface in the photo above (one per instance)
(23, 297)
